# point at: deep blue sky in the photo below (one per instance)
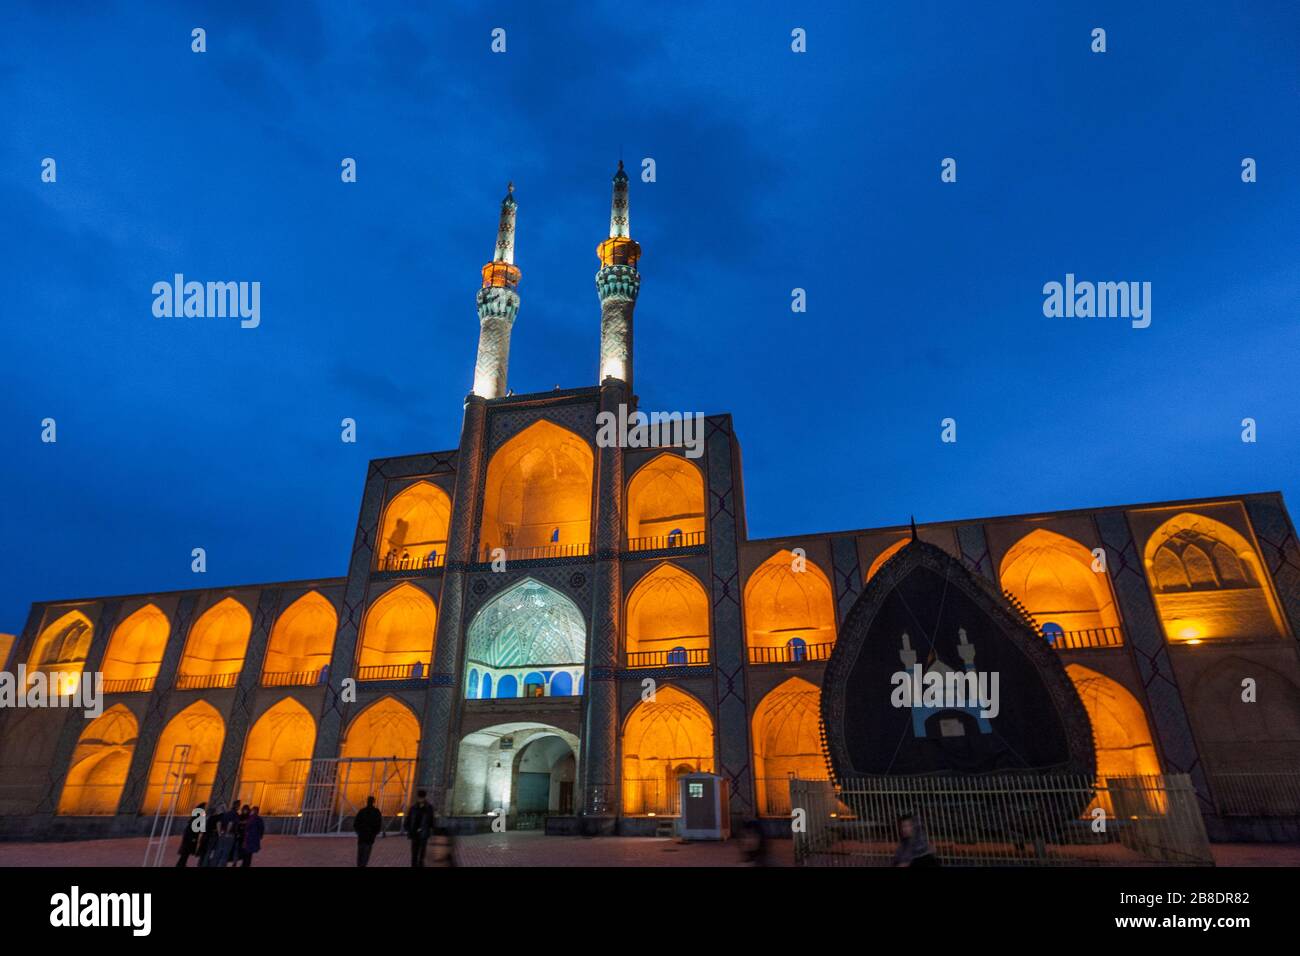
(775, 170)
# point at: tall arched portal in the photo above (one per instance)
(787, 743)
(301, 642)
(377, 757)
(663, 738)
(515, 768)
(789, 611)
(100, 764)
(665, 504)
(397, 635)
(274, 768)
(667, 619)
(414, 531)
(201, 727)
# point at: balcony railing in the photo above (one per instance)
(131, 685)
(417, 670)
(205, 681)
(663, 542)
(406, 562)
(790, 653)
(677, 657)
(1088, 637)
(309, 678)
(581, 549)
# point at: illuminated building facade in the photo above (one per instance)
(507, 601)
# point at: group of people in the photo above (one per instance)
(420, 827)
(224, 837)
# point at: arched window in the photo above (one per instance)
(99, 766)
(472, 691)
(1207, 582)
(63, 645)
(798, 649)
(397, 634)
(301, 642)
(527, 628)
(487, 686)
(665, 504)
(135, 651)
(1053, 632)
(507, 688)
(538, 490)
(214, 652)
(562, 685)
(663, 738)
(667, 619)
(415, 524)
(787, 742)
(534, 685)
(781, 603)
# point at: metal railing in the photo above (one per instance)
(130, 685)
(788, 654)
(1005, 820)
(1088, 637)
(664, 542)
(1256, 794)
(405, 562)
(417, 670)
(678, 657)
(206, 681)
(773, 794)
(655, 797)
(293, 678)
(578, 550)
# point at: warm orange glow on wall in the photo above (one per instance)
(667, 609)
(1052, 576)
(415, 525)
(274, 770)
(302, 639)
(1119, 725)
(100, 764)
(884, 556)
(787, 741)
(399, 630)
(782, 603)
(1207, 582)
(386, 728)
(217, 641)
(538, 482)
(135, 651)
(663, 738)
(200, 726)
(664, 496)
(63, 645)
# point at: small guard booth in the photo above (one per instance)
(703, 802)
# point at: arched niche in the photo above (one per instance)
(663, 738)
(537, 493)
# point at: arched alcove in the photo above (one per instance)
(667, 619)
(135, 651)
(1052, 576)
(663, 738)
(62, 645)
(201, 728)
(529, 629)
(273, 772)
(301, 642)
(397, 635)
(787, 742)
(414, 529)
(665, 504)
(100, 763)
(377, 757)
(214, 652)
(788, 598)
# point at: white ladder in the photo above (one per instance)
(166, 812)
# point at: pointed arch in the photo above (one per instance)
(100, 763)
(273, 771)
(135, 651)
(201, 728)
(787, 742)
(214, 652)
(63, 644)
(538, 491)
(528, 626)
(1052, 576)
(386, 729)
(665, 498)
(782, 604)
(663, 738)
(1206, 579)
(397, 635)
(301, 641)
(414, 529)
(667, 610)
(884, 556)
(1120, 729)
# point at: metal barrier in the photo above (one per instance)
(133, 685)
(1262, 794)
(292, 678)
(206, 681)
(1004, 820)
(417, 670)
(791, 653)
(665, 542)
(1087, 637)
(581, 549)
(335, 788)
(677, 657)
(652, 797)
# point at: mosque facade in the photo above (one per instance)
(547, 627)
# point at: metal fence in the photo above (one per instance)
(791, 653)
(1256, 794)
(1004, 820)
(677, 656)
(333, 789)
(664, 542)
(1087, 637)
(650, 797)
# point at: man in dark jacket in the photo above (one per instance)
(254, 830)
(913, 847)
(190, 835)
(419, 827)
(369, 823)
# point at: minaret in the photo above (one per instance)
(498, 303)
(618, 283)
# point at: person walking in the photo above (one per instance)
(419, 827)
(190, 836)
(254, 830)
(913, 847)
(368, 824)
